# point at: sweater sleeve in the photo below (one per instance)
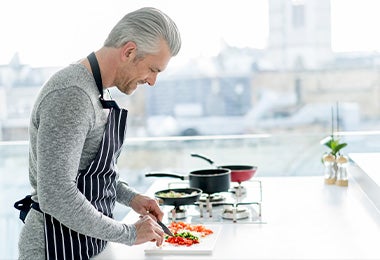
(64, 120)
(125, 193)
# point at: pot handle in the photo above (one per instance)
(202, 157)
(165, 174)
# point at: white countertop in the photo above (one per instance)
(369, 163)
(305, 219)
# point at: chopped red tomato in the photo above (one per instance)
(181, 241)
(176, 226)
(185, 238)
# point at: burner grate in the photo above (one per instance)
(242, 204)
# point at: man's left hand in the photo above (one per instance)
(144, 205)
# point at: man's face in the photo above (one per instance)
(136, 71)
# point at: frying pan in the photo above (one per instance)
(239, 173)
(209, 180)
(192, 195)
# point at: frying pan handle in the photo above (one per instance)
(202, 157)
(165, 174)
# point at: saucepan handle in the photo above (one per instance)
(203, 157)
(166, 174)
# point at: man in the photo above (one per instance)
(76, 136)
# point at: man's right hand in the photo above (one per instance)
(147, 229)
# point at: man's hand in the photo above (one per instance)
(145, 205)
(147, 229)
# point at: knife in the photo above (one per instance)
(165, 228)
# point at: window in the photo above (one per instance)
(298, 14)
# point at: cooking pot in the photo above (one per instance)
(239, 173)
(209, 180)
(190, 196)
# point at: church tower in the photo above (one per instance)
(299, 34)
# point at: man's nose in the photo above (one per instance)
(151, 80)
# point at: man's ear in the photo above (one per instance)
(129, 50)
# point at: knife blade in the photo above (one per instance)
(165, 228)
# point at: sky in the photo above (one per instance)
(57, 32)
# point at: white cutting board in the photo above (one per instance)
(205, 247)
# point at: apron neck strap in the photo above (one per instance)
(98, 79)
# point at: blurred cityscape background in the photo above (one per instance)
(289, 85)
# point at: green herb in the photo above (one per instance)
(334, 145)
(186, 235)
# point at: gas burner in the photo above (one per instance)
(208, 201)
(216, 197)
(234, 212)
(239, 190)
(177, 213)
(242, 203)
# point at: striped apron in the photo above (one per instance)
(97, 183)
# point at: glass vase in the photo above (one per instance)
(330, 169)
(341, 175)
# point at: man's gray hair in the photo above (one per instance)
(145, 27)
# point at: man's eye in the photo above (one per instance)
(155, 70)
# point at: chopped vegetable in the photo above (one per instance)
(177, 240)
(186, 234)
(179, 226)
(174, 194)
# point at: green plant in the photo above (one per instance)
(335, 145)
(333, 142)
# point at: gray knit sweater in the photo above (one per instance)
(66, 128)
